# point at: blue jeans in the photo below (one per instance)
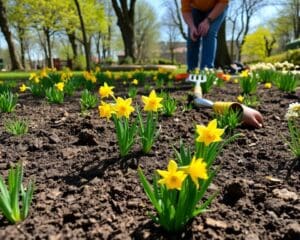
(209, 42)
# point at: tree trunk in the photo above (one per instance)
(15, 63)
(126, 23)
(85, 40)
(269, 45)
(48, 42)
(97, 42)
(104, 52)
(22, 52)
(222, 55)
(127, 31)
(172, 55)
(172, 50)
(29, 58)
(72, 40)
(296, 20)
(109, 37)
(21, 33)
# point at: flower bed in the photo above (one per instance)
(84, 190)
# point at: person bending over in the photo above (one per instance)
(204, 18)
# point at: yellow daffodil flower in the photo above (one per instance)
(44, 73)
(60, 86)
(106, 91)
(268, 85)
(197, 71)
(23, 88)
(210, 133)
(227, 77)
(240, 98)
(66, 75)
(197, 169)
(97, 69)
(93, 79)
(172, 178)
(123, 107)
(152, 103)
(34, 78)
(235, 80)
(244, 73)
(89, 76)
(86, 75)
(105, 110)
(161, 70)
(135, 82)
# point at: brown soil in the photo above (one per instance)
(85, 191)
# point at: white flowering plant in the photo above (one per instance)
(293, 118)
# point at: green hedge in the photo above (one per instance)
(292, 56)
(293, 45)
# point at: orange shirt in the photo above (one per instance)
(202, 5)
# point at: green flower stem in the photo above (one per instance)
(126, 133)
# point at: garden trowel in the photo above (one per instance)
(218, 107)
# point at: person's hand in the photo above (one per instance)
(194, 33)
(203, 27)
(251, 117)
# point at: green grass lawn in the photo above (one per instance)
(23, 76)
(6, 76)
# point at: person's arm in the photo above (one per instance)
(217, 10)
(186, 10)
(251, 117)
(205, 24)
(188, 18)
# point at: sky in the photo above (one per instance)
(261, 18)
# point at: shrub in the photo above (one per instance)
(292, 56)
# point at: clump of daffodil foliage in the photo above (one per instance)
(177, 193)
(11, 194)
(248, 82)
(120, 112)
(148, 129)
(293, 118)
(55, 94)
